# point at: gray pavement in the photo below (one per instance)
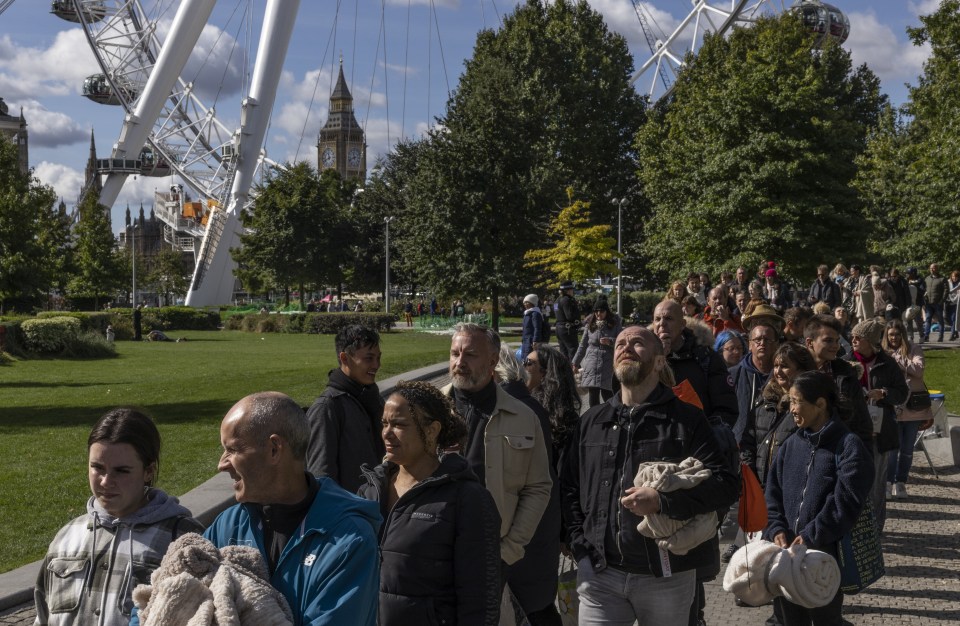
(921, 549)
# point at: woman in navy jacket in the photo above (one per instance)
(817, 486)
(440, 539)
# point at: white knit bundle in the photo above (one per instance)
(673, 535)
(760, 571)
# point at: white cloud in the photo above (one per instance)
(923, 7)
(66, 181)
(875, 44)
(55, 71)
(51, 129)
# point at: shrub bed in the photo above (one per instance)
(50, 335)
(310, 323)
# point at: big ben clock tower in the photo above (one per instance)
(340, 145)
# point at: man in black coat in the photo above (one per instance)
(824, 290)
(568, 321)
(345, 419)
(623, 575)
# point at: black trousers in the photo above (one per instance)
(567, 341)
(796, 615)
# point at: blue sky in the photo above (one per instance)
(399, 83)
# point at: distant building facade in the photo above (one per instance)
(14, 128)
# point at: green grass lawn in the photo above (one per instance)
(943, 374)
(48, 406)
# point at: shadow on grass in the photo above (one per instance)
(67, 417)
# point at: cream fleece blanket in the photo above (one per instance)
(673, 535)
(761, 570)
(199, 585)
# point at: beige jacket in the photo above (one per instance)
(912, 366)
(517, 472)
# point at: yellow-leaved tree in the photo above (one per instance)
(580, 250)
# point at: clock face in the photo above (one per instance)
(327, 157)
(353, 157)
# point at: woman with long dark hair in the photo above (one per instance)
(551, 383)
(95, 561)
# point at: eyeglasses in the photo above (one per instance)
(529, 362)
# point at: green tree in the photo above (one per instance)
(910, 174)
(754, 155)
(545, 102)
(296, 228)
(24, 203)
(56, 239)
(579, 251)
(169, 275)
(99, 265)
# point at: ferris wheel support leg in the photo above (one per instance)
(215, 284)
(188, 23)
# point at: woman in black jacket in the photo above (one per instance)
(440, 539)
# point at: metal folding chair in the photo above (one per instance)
(937, 406)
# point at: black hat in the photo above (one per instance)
(567, 284)
(601, 304)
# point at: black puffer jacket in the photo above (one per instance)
(605, 451)
(439, 548)
(852, 407)
(887, 375)
(708, 375)
(769, 426)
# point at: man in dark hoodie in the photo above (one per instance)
(623, 575)
(345, 419)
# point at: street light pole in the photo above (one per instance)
(619, 257)
(133, 254)
(386, 289)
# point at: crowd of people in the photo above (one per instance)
(455, 505)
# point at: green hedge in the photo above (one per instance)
(310, 323)
(13, 340)
(50, 335)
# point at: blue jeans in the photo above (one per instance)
(615, 598)
(951, 315)
(900, 461)
(933, 311)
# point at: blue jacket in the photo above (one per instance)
(748, 382)
(532, 330)
(330, 571)
(817, 486)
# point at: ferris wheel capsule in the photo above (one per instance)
(96, 87)
(91, 11)
(822, 19)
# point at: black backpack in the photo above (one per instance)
(544, 329)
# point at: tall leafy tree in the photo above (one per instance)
(100, 270)
(544, 103)
(754, 155)
(168, 274)
(910, 176)
(23, 257)
(295, 230)
(579, 251)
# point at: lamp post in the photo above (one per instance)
(386, 289)
(620, 203)
(133, 256)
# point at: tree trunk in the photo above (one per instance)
(286, 296)
(495, 309)
(302, 307)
